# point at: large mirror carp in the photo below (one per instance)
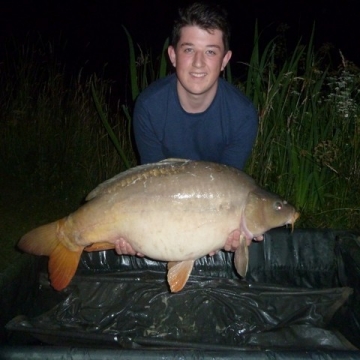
(174, 210)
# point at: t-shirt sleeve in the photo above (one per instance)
(147, 142)
(242, 138)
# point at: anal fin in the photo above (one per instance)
(62, 266)
(241, 257)
(178, 274)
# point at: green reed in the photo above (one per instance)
(50, 129)
(143, 71)
(307, 143)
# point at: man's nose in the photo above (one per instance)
(198, 60)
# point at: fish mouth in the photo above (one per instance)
(295, 216)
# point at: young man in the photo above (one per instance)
(195, 113)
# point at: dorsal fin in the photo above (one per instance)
(241, 257)
(62, 266)
(178, 274)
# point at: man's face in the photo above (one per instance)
(199, 57)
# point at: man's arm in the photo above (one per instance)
(243, 135)
(147, 143)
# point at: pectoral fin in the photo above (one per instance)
(62, 266)
(241, 258)
(178, 274)
(99, 247)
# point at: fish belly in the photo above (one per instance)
(177, 236)
(161, 227)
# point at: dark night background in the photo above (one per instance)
(94, 35)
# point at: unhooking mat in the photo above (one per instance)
(298, 294)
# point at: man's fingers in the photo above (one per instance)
(122, 247)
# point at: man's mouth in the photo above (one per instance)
(198, 75)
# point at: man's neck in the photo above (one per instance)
(195, 103)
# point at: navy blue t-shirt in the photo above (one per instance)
(225, 132)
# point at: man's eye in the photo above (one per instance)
(211, 52)
(188, 50)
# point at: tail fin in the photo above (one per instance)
(62, 263)
(40, 241)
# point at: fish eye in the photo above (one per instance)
(278, 205)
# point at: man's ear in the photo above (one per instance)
(226, 59)
(172, 55)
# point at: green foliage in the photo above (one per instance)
(133, 73)
(109, 129)
(142, 73)
(143, 69)
(52, 139)
(307, 146)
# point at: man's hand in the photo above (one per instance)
(122, 247)
(233, 242)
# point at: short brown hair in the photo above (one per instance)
(207, 16)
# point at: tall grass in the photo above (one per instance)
(50, 130)
(145, 68)
(143, 71)
(307, 147)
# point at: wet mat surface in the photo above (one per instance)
(301, 293)
(128, 310)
